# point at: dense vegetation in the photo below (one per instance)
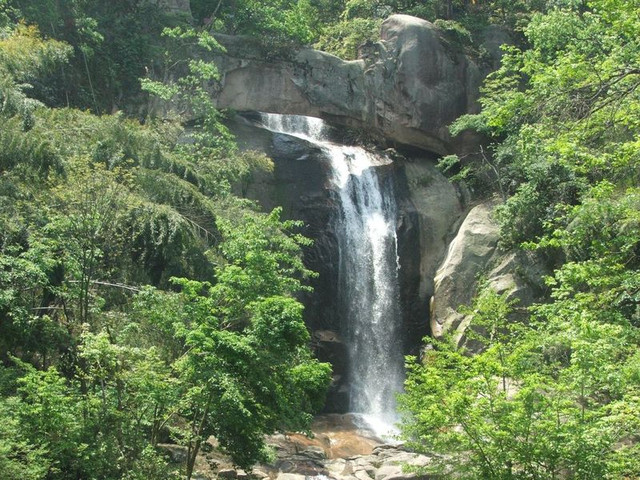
(557, 396)
(142, 300)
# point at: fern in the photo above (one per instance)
(23, 148)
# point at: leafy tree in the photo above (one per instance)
(50, 413)
(23, 56)
(277, 22)
(563, 116)
(97, 364)
(344, 38)
(19, 459)
(112, 44)
(554, 400)
(248, 371)
(579, 73)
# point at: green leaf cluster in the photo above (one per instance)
(276, 23)
(556, 398)
(557, 395)
(460, 21)
(141, 300)
(112, 46)
(564, 114)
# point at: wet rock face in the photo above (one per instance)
(300, 184)
(431, 209)
(328, 346)
(443, 247)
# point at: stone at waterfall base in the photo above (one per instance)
(339, 450)
(385, 462)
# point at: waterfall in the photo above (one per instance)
(368, 271)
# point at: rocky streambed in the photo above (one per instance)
(339, 449)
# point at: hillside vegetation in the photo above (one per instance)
(141, 300)
(557, 396)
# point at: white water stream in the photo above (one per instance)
(368, 272)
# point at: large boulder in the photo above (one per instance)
(409, 88)
(468, 256)
(419, 86)
(474, 254)
(339, 450)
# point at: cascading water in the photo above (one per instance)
(368, 271)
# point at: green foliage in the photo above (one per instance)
(565, 111)
(100, 357)
(450, 164)
(260, 259)
(344, 38)
(126, 205)
(279, 22)
(24, 55)
(48, 411)
(240, 384)
(112, 43)
(97, 424)
(191, 89)
(151, 465)
(19, 459)
(489, 315)
(248, 371)
(459, 20)
(554, 397)
(454, 30)
(553, 400)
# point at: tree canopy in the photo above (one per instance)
(558, 396)
(141, 299)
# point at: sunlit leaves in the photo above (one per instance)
(247, 370)
(569, 103)
(563, 115)
(552, 398)
(19, 458)
(23, 56)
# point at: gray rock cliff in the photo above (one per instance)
(473, 254)
(408, 89)
(431, 212)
